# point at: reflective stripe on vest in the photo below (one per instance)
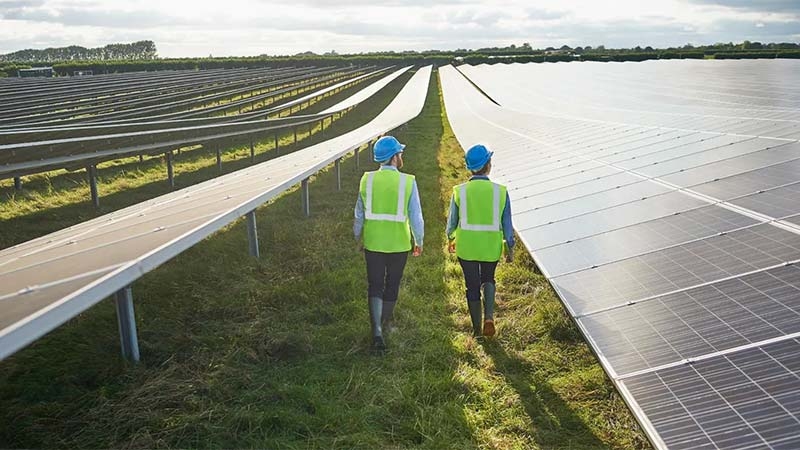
(400, 216)
(462, 211)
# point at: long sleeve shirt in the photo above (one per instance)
(414, 213)
(505, 220)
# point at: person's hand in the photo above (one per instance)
(509, 256)
(451, 246)
(417, 250)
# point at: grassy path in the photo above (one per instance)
(274, 353)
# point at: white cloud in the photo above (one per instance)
(252, 27)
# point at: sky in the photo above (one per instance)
(255, 27)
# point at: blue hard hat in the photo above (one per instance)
(385, 148)
(477, 156)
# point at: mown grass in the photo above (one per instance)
(274, 353)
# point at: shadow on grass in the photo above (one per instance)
(556, 426)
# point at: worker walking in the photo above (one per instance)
(388, 212)
(479, 222)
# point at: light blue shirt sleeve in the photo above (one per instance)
(505, 221)
(452, 220)
(415, 216)
(358, 223)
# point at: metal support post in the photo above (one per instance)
(141, 158)
(252, 234)
(126, 320)
(305, 197)
(295, 136)
(18, 183)
(358, 160)
(338, 165)
(92, 172)
(252, 152)
(276, 142)
(170, 172)
(219, 159)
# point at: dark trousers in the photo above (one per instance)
(475, 274)
(384, 272)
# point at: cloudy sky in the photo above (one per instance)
(253, 27)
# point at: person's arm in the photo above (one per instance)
(415, 216)
(452, 224)
(358, 223)
(452, 220)
(508, 229)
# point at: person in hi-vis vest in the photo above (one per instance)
(479, 222)
(388, 212)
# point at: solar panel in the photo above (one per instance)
(678, 267)
(699, 321)
(641, 238)
(667, 221)
(746, 399)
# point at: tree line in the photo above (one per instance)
(490, 55)
(135, 51)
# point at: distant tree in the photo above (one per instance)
(648, 49)
(565, 48)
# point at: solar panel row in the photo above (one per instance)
(194, 102)
(661, 201)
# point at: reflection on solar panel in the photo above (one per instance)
(47, 281)
(667, 221)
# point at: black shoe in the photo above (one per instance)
(378, 346)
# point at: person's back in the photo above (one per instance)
(385, 194)
(479, 236)
(479, 222)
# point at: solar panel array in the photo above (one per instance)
(47, 281)
(28, 151)
(661, 201)
(162, 95)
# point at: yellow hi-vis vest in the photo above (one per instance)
(479, 235)
(385, 194)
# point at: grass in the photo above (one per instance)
(274, 353)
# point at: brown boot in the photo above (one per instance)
(488, 327)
